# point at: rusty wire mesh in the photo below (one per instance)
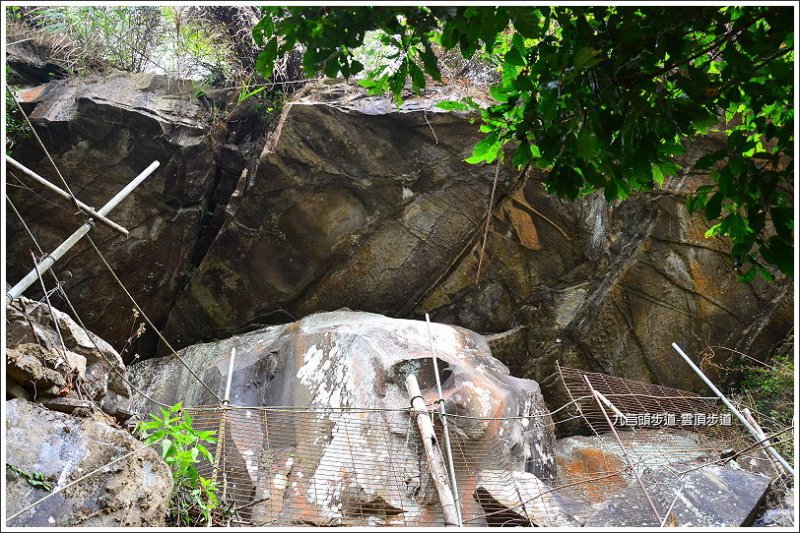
(684, 432)
(671, 413)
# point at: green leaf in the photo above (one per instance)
(522, 155)
(586, 57)
(714, 206)
(486, 150)
(713, 231)
(526, 21)
(513, 58)
(265, 63)
(658, 176)
(779, 252)
(587, 146)
(417, 77)
(452, 105)
(430, 62)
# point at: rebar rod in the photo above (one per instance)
(47, 263)
(444, 421)
(40, 180)
(778, 457)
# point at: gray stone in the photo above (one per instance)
(706, 496)
(354, 203)
(133, 492)
(92, 369)
(674, 466)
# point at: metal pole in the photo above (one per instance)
(59, 252)
(221, 428)
(733, 409)
(227, 396)
(624, 451)
(38, 179)
(433, 454)
(444, 422)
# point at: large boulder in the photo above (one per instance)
(354, 203)
(354, 435)
(46, 451)
(102, 131)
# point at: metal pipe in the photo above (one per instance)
(227, 396)
(37, 178)
(624, 451)
(733, 409)
(433, 454)
(46, 263)
(444, 422)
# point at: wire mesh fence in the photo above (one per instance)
(325, 467)
(664, 416)
(279, 466)
(682, 447)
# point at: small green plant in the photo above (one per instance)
(34, 479)
(16, 129)
(194, 497)
(771, 392)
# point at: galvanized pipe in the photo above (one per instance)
(434, 455)
(772, 451)
(47, 263)
(40, 180)
(227, 397)
(444, 422)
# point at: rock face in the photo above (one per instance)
(37, 368)
(133, 492)
(356, 203)
(101, 132)
(332, 362)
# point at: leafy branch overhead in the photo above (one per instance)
(601, 97)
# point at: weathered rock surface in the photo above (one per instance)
(679, 470)
(133, 492)
(343, 360)
(37, 368)
(29, 58)
(356, 203)
(102, 131)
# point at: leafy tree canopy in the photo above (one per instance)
(601, 97)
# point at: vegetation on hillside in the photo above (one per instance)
(601, 97)
(769, 389)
